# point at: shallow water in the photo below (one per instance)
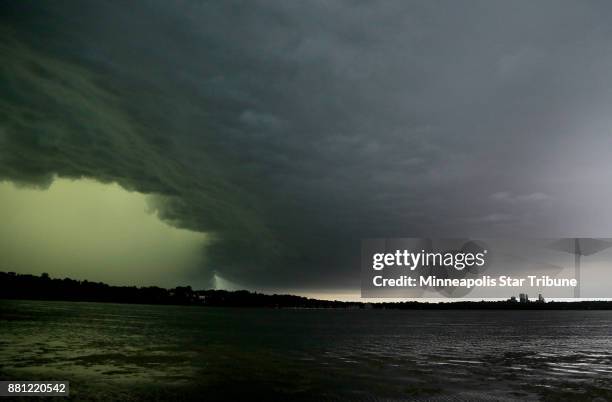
(139, 352)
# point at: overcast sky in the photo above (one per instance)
(286, 131)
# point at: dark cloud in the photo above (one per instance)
(294, 129)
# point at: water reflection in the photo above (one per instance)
(308, 354)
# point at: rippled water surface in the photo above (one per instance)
(138, 352)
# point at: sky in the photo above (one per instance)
(71, 226)
(264, 139)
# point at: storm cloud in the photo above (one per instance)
(291, 130)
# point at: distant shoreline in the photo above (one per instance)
(15, 286)
(404, 306)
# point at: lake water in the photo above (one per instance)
(139, 352)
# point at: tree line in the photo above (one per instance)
(43, 287)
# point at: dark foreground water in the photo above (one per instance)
(137, 352)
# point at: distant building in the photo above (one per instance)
(541, 298)
(524, 298)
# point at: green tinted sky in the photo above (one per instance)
(292, 130)
(88, 230)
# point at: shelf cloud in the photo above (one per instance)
(288, 131)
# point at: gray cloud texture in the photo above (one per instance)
(292, 130)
